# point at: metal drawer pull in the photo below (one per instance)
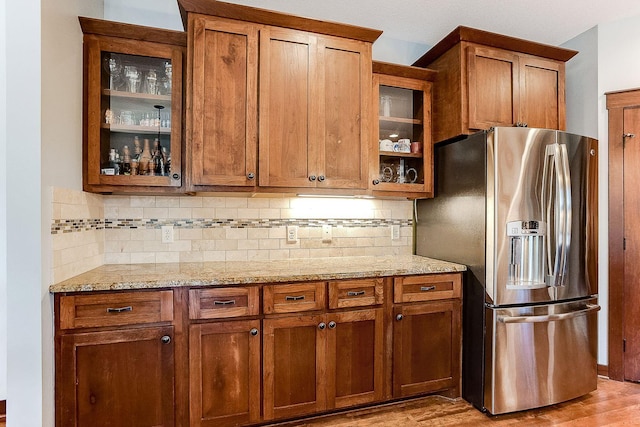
(230, 302)
(165, 339)
(120, 309)
(355, 293)
(292, 298)
(427, 288)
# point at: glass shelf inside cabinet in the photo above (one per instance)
(135, 137)
(401, 135)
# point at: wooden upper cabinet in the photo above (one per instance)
(222, 143)
(132, 108)
(486, 79)
(313, 98)
(293, 92)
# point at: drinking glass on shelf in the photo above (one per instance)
(113, 68)
(133, 78)
(152, 82)
(166, 80)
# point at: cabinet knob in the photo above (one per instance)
(322, 325)
(175, 176)
(165, 339)
(376, 181)
(312, 178)
(399, 317)
(253, 332)
(250, 175)
(321, 178)
(332, 325)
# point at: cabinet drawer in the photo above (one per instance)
(122, 308)
(222, 303)
(288, 298)
(355, 293)
(427, 288)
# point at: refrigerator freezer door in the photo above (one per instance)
(540, 355)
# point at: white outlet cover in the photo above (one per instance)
(326, 233)
(292, 233)
(167, 233)
(395, 232)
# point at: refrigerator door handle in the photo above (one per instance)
(590, 308)
(556, 181)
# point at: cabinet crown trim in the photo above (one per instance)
(500, 41)
(278, 19)
(133, 32)
(407, 71)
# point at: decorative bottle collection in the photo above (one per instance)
(144, 161)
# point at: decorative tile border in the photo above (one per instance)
(75, 225)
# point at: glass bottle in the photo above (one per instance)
(159, 159)
(126, 161)
(145, 159)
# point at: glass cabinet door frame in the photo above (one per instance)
(94, 46)
(425, 188)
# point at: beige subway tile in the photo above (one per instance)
(365, 241)
(204, 213)
(191, 202)
(299, 253)
(280, 203)
(56, 211)
(236, 255)
(278, 233)
(311, 243)
(203, 245)
(111, 212)
(155, 213)
(248, 244)
(132, 213)
(288, 214)
(284, 244)
(383, 214)
(257, 255)
(235, 202)
(167, 202)
(143, 202)
(118, 234)
(269, 243)
(165, 257)
(119, 201)
(179, 213)
(191, 256)
(117, 258)
(216, 233)
(226, 213)
(325, 253)
(276, 254)
(226, 245)
(353, 251)
(95, 211)
(213, 202)
(188, 233)
(143, 258)
(246, 213)
(315, 232)
(377, 251)
(382, 241)
(209, 256)
(236, 233)
(145, 234)
(175, 246)
(269, 213)
(258, 233)
(345, 242)
(257, 203)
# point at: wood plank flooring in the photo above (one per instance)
(613, 404)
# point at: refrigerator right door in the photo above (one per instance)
(541, 216)
(540, 355)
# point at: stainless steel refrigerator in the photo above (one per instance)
(518, 206)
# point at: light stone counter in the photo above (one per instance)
(148, 276)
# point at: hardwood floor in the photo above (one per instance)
(613, 404)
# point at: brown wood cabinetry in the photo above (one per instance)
(115, 376)
(307, 87)
(403, 117)
(486, 79)
(132, 97)
(426, 336)
(210, 356)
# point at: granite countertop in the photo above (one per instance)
(170, 275)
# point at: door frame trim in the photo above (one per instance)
(616, 103)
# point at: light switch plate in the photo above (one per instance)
(326, 233)
(395, 232)
(292, 233)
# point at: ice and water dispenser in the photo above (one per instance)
(526, 254)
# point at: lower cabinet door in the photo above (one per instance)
(354, 358)
(294, 369)
(224, 370)
(426, 348)
(116, 378)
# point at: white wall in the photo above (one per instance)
(152, 13)
(3, 205)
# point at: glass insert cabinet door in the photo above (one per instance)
(133, 114)
(404, 134)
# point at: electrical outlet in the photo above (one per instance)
(292, 233)
(167, 233)
(395, 232)
(326, 233)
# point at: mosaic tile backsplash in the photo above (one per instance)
(221, 228)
